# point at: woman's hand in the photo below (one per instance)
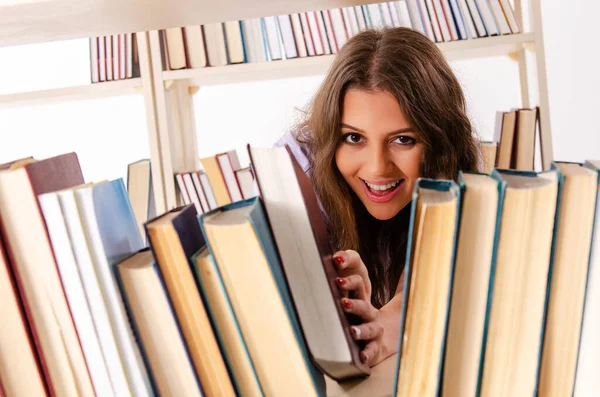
(379, 328)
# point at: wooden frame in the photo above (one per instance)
(168, 95)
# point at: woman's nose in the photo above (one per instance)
(379, 162)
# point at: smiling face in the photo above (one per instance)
(379, 154)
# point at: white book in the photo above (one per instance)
(129, 55)
(421, 8)
(93, 292)
(233, 38)
(109, 62)
(94, 60)
(323, 32)
(479, 26)
(299, 35)
(442, 20)
(228, 170)
(72, 285)
(488, 17)
(339, 27)
(129, 350)
(394, 13)
(272, 33)
(194, 45)
(510, 16)
(115, 57)
(102, 58)
(386, 14)
(214, 38)
(210, 196)
(176, 58)
(375, 17)
(191, 189)
(333, 45)
(308, 39)
(403, 14)
(123, 56)
(200, 191)
(361, 17)
(467, 20)
(501, 21)
(437, 32)
(415, 16)
(350, 20)
(314, 31)
(254, 42)
(287, 36)
(458, 18)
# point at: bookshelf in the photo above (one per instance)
(168, 95)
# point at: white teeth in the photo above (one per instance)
(383, 187)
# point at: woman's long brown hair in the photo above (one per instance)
(408, 65)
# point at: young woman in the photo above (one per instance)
(389, 111)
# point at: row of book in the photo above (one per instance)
(114, 58)
(500, 293)
(324, 32)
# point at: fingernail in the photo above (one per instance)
(340, 281)
(347, 304)
(339, 260)
(364, 357)
(355, 332)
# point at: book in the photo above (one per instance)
(112, 235)
(307, 259)
(476, 248)
(151, 310)
(243, 247)
(427, 288)
(226, 325)
(516, 315)
(34, 267)
(587, 381)
(22, 377)
(174, 237)
(568, 279)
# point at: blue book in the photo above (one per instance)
(522, 278)
(241, 243)
(427, 289)
(112, 235)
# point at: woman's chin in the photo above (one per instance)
(383, 214)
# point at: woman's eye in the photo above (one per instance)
(353, 138)
(405, 140)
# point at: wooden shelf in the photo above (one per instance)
(318, 65)
(37, 21)
(66, 94)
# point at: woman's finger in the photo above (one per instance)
(366, 331)
(370, 352)
(348, 260)
(360, 308)
(355, 283)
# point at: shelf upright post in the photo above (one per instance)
(148, 89)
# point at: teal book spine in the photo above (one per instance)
(210, 311)
(440, 185)
(263, 231)
(486, 322)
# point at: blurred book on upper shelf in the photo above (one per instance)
(114, 58)
(324, 32)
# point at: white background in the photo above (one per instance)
(108, 134)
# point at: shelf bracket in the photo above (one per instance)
(169, 84)
(193, 90)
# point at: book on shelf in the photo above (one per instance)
(324, 32)
(114, 58)
(245, 292)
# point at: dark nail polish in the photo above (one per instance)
(347, 304)
(340, 281)
(339, 260)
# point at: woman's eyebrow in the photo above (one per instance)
(400, 131)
